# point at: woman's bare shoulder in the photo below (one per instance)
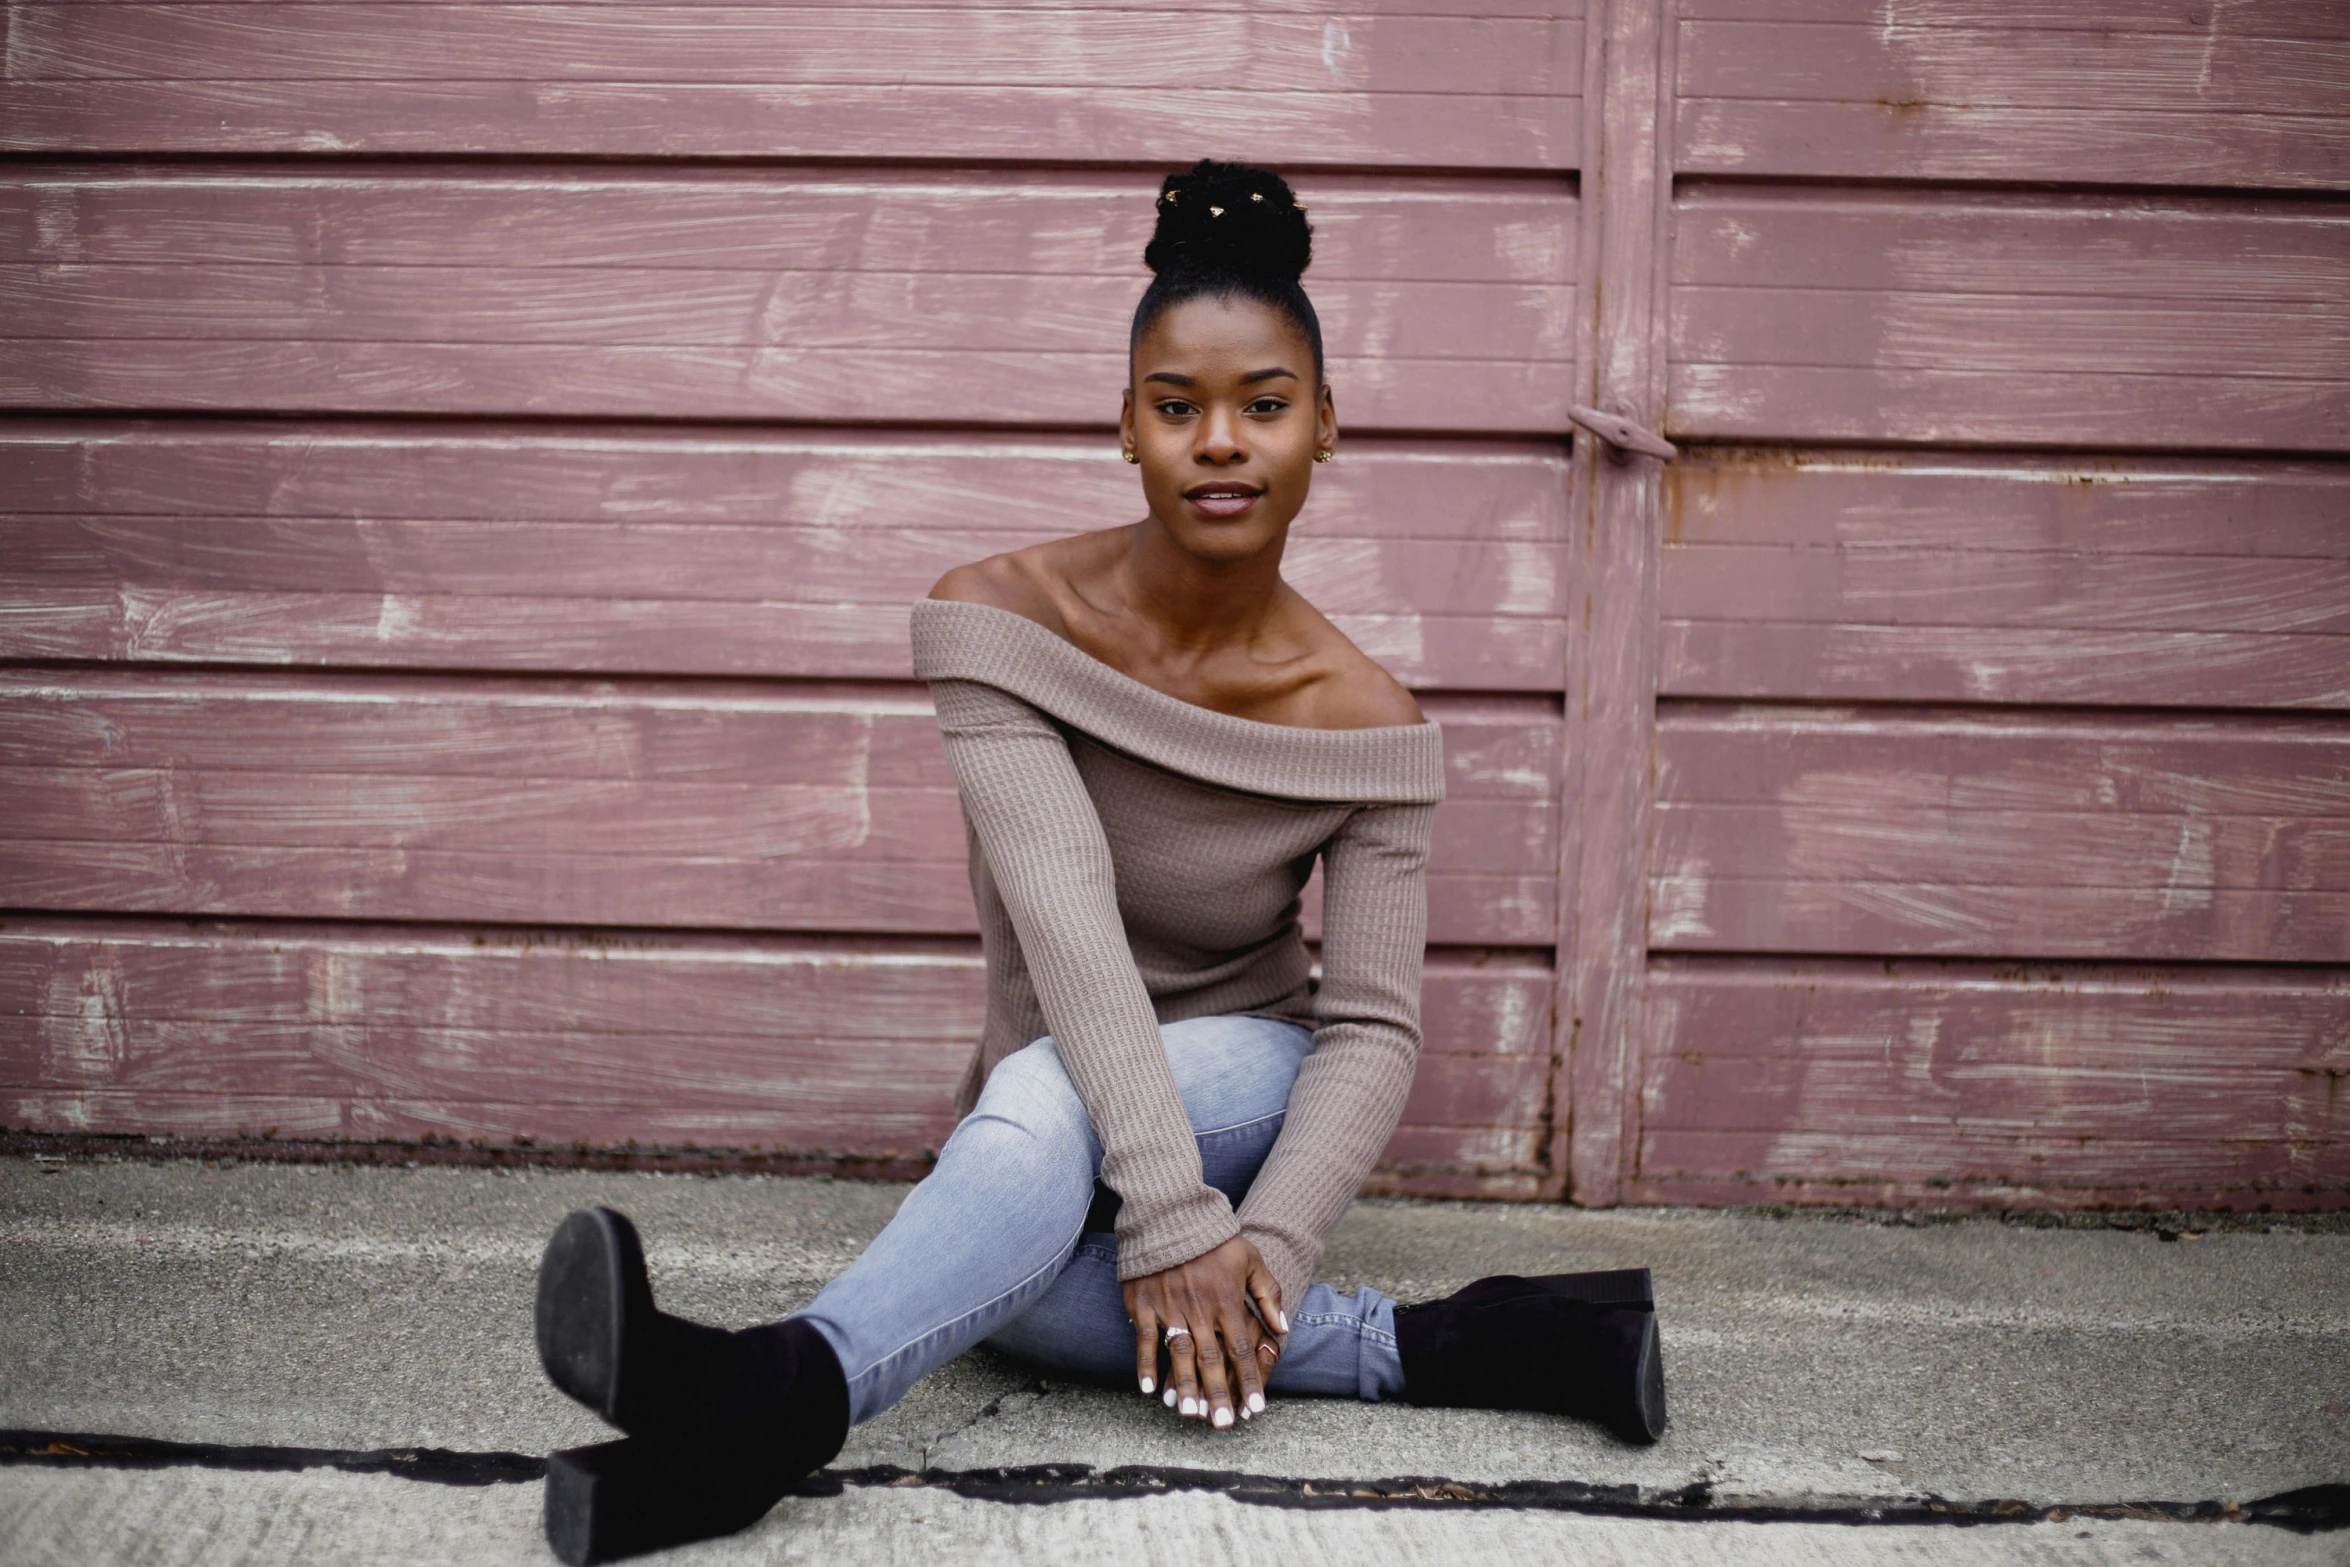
(1355, 693)
(1032, 582)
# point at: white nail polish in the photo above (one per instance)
(1149, 1386)
(1256, 1401)
(1283, 1318)
(1170, 1398)
(1191, 1406)
(1223, 1418)
(1247, 1413)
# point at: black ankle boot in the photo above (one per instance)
(723, 1424)
(1582, 1344)
(649, 1493)
(603, 1342)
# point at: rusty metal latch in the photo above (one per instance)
(1622, 436)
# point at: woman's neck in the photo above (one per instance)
(1193, 605)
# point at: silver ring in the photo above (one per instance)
(1176, 1332)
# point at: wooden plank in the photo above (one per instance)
(691, 554)
(2224, 252)
(2113, 581)
(833, 297)
(971, 45)
(2090, 507)
(871, 484)
(1611, 675)
(683, 806)
(2241, 18)
(2015, 835)
(2023, 321)
(948, 82)
(1763, 659)
(703, 220)
(628, 381)
(777, 1045)
(1866, 91)
(2006, 408)
(1947, 1082)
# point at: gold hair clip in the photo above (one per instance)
(1215, 212)
(1256, 195)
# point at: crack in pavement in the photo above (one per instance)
(2308, 1510)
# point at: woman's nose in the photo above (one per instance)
(1220, 439)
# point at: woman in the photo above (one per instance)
(1155, 737)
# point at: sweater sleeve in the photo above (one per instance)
(1350, 1091)
(1050, 862)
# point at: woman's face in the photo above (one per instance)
(1225, 415)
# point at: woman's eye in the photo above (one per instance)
(1176, 408)
(1267, 405)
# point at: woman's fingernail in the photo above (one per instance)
(1256, 1401)
(1282, 1317)
(1223, 1418)
(1170, 1398)
(1247, 1413)
(1191, 1406)
(1150, 1385)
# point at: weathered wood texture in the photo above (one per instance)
(2014, 1085)
(990, 299)
(1887, 577)
(1801, 315)
(768, 1045)
(2036, 355)
(2146, 92)
(712, 553)
(754, 807)
(1611, 678)
(2018, 834)
(964, 82)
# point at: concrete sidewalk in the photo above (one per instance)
(1824, 1367)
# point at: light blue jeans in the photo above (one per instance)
(992, 1245)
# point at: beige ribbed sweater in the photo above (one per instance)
(1137, 860)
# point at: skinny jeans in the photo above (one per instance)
(992, 1247)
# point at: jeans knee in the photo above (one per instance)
(1031, 1089)
(1030, 1119)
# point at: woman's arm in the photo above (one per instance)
(1030, 814)
(1350, 1091)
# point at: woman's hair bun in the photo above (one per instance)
(1230, 218)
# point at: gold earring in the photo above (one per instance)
(1130, 455)
(1324, 456)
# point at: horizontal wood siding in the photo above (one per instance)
(466, 470)
(2013, 1085)
(827, 810)
(1876, 576)
(2017, 321)
(717, 553)
(950, 82)
(827, 298)
(2143, 92)
(2001, 849)
(2012, 835)
(774, 1045)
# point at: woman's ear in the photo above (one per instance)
(1126, 422)
(1325, 421)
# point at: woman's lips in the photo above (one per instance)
(1221, 502)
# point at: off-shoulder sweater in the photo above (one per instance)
(1136, 860)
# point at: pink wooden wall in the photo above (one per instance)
(465, 465)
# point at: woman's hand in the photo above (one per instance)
(1220, 1351)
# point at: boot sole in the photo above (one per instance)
(621, 1499)
(1649, 1388)
(583, 1306)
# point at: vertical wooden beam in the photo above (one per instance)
(1611, 681)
